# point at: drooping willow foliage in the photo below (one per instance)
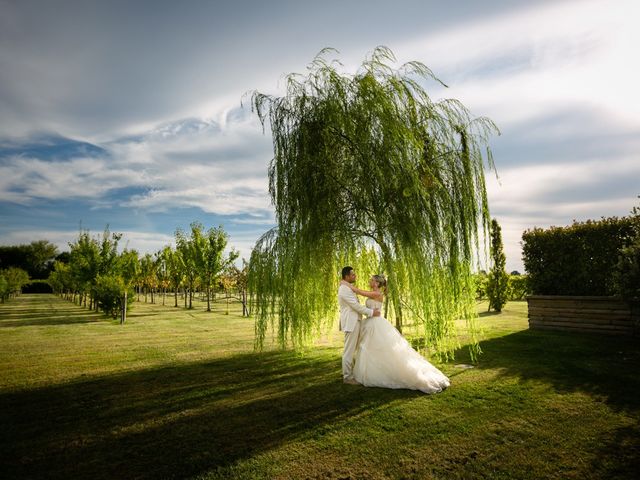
(368, 171)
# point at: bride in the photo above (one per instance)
(384, 358)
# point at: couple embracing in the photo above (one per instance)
(383, 357)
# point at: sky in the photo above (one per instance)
(129, 114)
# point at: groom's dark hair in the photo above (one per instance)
(346, 271)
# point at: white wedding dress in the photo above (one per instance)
(384, 358)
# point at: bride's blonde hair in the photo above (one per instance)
(382, 282)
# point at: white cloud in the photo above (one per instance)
(218, 167)
(24, 179)
(520, 64)
(522, 189)
(189, 163)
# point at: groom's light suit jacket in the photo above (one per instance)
(350, 309)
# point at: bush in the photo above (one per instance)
(627, 272)
(481, 280)
(16, 278)
(4, 288)
(579, 259)
(518, 287)
(109, 292)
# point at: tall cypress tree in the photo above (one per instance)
(498, 286)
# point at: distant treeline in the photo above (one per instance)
(35, 258)
(22, 265)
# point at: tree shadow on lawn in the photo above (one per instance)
(601, 365)
(177, 421)
(59, 316)
(130, 314)
(619, 454)
(605, 367)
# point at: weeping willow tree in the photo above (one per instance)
(369, 171)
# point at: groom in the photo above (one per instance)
(350, 312)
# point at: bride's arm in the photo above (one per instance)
(365, 293)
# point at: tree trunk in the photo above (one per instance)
(244, 303)
(392, 285)
(190, 297)
(175, 296)
(123, 315)
(208, 298)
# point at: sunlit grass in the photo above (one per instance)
(181, 393)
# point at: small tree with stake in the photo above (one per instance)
(208, 255)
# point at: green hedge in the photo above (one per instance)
(579, 259)
(518, 287)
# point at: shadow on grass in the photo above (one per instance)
(177, 421)
(39, 309)
(604, 366)
(619, 454)
(130, 314)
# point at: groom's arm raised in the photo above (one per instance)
(365, 293)
(350, 298)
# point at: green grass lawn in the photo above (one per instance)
(180, 393)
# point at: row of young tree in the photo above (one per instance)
(101, 277)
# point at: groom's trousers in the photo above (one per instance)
(350, 344)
